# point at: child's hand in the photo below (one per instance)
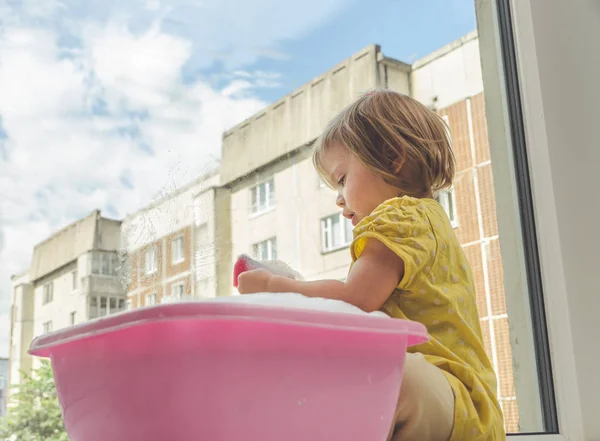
(254, 281)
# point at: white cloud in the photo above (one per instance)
(99, 100)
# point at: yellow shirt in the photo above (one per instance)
(437, 289)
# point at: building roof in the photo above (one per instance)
(67, 244)
(210, 173)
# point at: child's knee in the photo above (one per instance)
(425, 409)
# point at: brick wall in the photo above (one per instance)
(168, 273)
(477, 231)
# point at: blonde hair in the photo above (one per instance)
(396, 137)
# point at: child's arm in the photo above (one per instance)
(372, 279)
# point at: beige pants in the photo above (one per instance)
(425, 410)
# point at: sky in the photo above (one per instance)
(102, 102)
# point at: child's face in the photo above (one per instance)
(360, 190)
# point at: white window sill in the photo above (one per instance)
(177, 262)
(334, 249)
(260, 213)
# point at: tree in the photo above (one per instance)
(36, 415)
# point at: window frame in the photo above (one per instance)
(529, 219)
(516, 221)
(154, 269)
(175, 285)
(448, 203)
(100, 257)
(74, 280)
(565, 360)
(516, 16)
(270, 201)
(48, 293)
(178, 239)
(271, 249)
(152, 296)
(47, 327)
(327, 226)
(107, 299)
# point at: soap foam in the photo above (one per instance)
(294, 300)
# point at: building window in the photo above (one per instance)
(336, 232)
(177, 250)
(177, 290)
(447, 200)
(47, 327)
(128, 305)
(73, 317)
(48, 292)
(150, 263)
(104, 263)
(265, 250)
(446, 119)
(93, 307)
(263, 196)
(74, 280)
(150, 299)
(103, 306)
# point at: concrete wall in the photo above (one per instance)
(223, 253)
(395, 74)
(108, 234)
(212, 243)
(204, 244)
(449, 74)
(298, 118)
(64, 246)
(22, 316)
(65, 300)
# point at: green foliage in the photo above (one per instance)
(36, 415)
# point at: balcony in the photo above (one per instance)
(104, 285)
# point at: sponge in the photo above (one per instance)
(246, 263)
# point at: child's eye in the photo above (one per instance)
(342, 180)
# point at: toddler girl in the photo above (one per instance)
(387, 155)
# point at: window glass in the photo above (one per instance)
(167, 115)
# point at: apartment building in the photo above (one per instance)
(21, 327)
(4, 385)
(281, 209)
(169, 245)
(73, 278)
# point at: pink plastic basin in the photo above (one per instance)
(229, 372)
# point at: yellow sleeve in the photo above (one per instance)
(403, 227)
